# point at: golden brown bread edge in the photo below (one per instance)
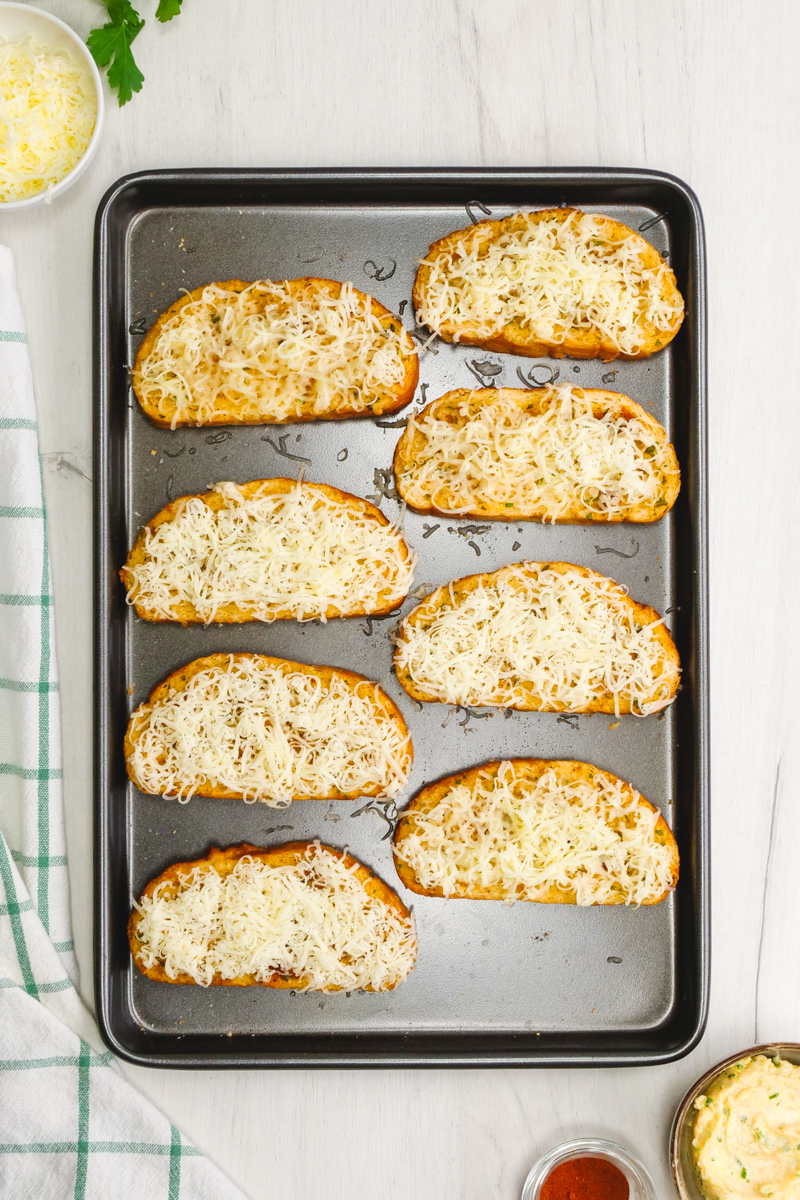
(228, 416)
(569, 771)
(580, 343)
(178, 680)
(224, 861)
(532, 400)
(643, 613)
(230, 614)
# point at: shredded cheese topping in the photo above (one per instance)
(312, 921)
(519, 833)
(270, 734)
(551, 278)
(274, 353)
(529, 633)
(551, 457)
(301, 554)
(48, 109)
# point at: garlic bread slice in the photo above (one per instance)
(302, 916)
(556, 282)
(546, 637)
(269, 550)
(238, 353)
(545, 830)
(251, 727)
(562, 455)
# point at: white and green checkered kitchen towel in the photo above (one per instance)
(70, 1125)
(31, 811)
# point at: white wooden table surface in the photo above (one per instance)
(707, 89)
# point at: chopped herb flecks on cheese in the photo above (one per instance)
(550, 278)
(271, 352)
(311, 921)
(519, 830)
(270, 733)
(302, 552)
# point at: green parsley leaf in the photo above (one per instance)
(123, 74)
(112, 45)
(167, 9)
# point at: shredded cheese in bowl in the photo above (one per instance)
(520, 830)
(48, 109)
(311, 921)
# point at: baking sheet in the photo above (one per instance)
(493, 983)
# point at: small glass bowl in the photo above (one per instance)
(681, 1158)
(639, 1181)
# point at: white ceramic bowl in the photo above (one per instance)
(15, 21)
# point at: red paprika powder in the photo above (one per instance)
(585, 1179)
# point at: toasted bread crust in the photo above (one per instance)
(224, 861)
(568, 771)
(231, 413)
(580, 343)
(231, 614)
(178, 680)
(409, 444)
(644, 615)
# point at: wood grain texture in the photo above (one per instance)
(708, 90)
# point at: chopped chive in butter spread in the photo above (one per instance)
(747, 1132)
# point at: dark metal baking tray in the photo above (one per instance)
(494, 985)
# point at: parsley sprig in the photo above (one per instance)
(110, 45)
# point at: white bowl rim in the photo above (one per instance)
(94, 140)
(768, 1049)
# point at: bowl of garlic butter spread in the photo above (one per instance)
(737, 1133)
(51, 106)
